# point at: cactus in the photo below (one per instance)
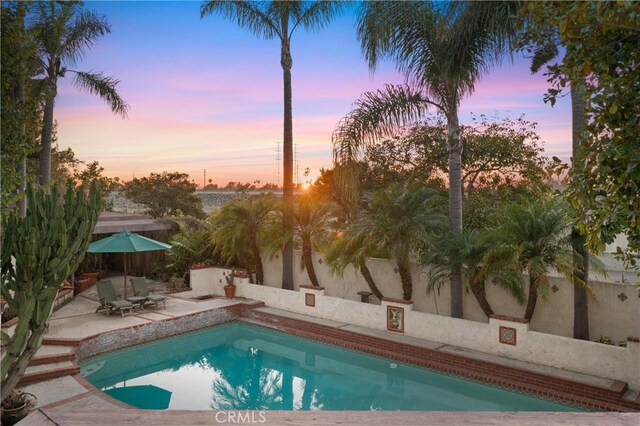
(231, 276)
(38, 252)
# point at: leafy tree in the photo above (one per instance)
(166, 194)
(39, 251)
(600, 40)
(279, 20)
(241, 230)
(442, 50)
(396, 221)
(495, 153)
(191, 244)
(539, 237)
(63, 32)
(20, 103)
(311, 225)
(478, 255)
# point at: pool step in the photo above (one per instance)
(39, 373)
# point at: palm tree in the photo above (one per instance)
(351, 249)
(311, 220)
(442, 50)
(478, 255)
(396, 221)
(240, 229)
(539, 235)
(279, 19)
(63, 32)
(542, 55)
(191, 244)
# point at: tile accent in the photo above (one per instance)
(310, 299)
(508, 335)
(395, 318)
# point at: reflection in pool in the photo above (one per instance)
(242, 367)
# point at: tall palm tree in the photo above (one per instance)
(396, 221)
(63, 32)
(479, 257)
(539, 235)
(543, 55)
(279, 19)
(442, 49)
(311, 220)
(240, 228)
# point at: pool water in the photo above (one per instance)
(242, 367)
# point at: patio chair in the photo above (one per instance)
(109, 301)
(141, 289)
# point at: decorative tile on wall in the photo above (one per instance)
(508, 335)
(395, 319)
(310, 299)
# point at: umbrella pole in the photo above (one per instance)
(125, 275)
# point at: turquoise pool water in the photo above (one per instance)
(241, 367)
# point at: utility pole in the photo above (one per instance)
(204, 179)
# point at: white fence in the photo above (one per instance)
(615, 311)
(511, 338)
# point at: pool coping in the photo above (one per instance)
(590, 397)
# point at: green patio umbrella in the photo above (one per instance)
(126, 242)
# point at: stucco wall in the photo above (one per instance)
(609, 314)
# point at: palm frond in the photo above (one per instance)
(87, 28)
(104, 87)
(315, 15)
(256, 16)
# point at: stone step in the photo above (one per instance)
(48, 354)
(38, 373)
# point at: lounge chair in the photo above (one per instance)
(109, 301)
(141, 289)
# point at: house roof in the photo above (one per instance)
(112, 222)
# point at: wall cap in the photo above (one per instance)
(511, 319)
(399, 301)
(311, 287)
(635, 339)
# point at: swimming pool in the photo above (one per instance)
(242, 367)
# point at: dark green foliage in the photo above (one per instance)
(166, 194)
(38, 252)
(601, 42)
(191, 244)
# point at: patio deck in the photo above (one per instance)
(71, 400)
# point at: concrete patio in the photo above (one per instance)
(71, 400)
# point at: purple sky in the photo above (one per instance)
(206, 94)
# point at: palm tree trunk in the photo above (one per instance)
(405, 278)
(533, 298)
(581, 259)
(45, 140)
(307, 258)
(455, 203)
(369, 279)
(478, 290)
(287, 166)
(258, 262)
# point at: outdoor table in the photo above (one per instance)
(137, 301)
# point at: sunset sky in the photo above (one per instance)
(206, 94)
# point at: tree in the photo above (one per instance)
(539, 236)
(478, 255)
(38, 252)
(442, 50)
(545, 50)
(396, 221)
(311, 218)
(605, 176)
(166, 194)
(279, 20)
(241, 229)
(191, 244)
(20, 98)
(496, 153)
(63, 32)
